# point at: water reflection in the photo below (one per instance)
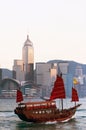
(32, 126)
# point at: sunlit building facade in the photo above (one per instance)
(45, 77)
(23, 70)
(28, 59)
(18, 72)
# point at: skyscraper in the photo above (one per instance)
(28, 59)
(24, 69)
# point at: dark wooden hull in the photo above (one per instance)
(45, 115)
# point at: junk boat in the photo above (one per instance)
(47, 111)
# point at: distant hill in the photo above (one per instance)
(72, 65)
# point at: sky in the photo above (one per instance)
(57, 29)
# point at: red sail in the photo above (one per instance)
(74, 95)
(58, 90)
(19, 96)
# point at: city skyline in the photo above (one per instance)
(56, 28)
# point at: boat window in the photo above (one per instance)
(21, 105)
(40, 112)
(29, 105)
(36, 105)
(48, 111)
(36, 112)
(43, 111)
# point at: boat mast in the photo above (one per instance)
(75, 103)
(74, 87)
(62, 103)
(61, 99)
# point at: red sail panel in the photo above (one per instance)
(19, 96)
(58, 90)
(74, 95)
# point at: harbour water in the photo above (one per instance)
(9, 121)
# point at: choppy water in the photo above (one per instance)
(9, 121)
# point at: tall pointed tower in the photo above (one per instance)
(28, 60)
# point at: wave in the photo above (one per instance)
(7, 114)
(81, 109)
(6, 111)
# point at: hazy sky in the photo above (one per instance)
(57, 29)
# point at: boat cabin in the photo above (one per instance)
(38, 105)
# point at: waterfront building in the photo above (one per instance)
(18, 72)
(68, 77)
(79, 71)
(45, 76)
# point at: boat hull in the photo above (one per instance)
(45, 115)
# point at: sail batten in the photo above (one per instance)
(58, 90)
(74, 95)
(19, 96)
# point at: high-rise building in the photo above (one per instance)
(24, 69)
(28, 59)
(18, 72)
(79, 70)
(45, 77)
